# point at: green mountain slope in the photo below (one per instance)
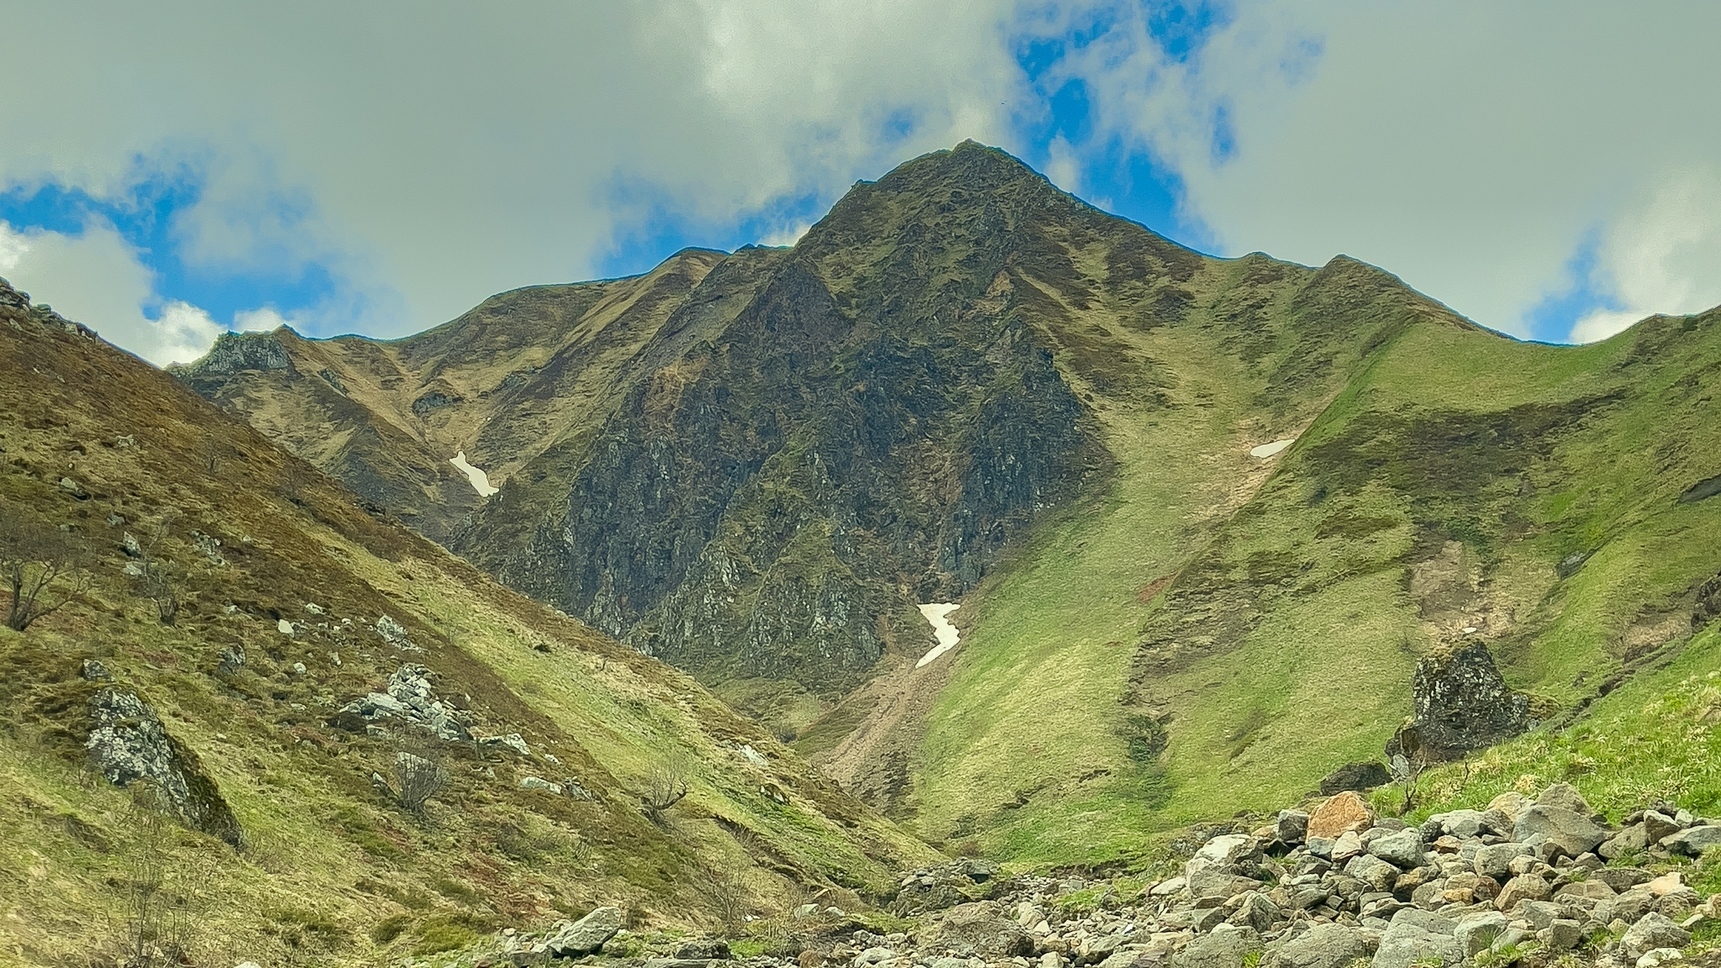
(1460, 485)
(965, 385)
(282, 584)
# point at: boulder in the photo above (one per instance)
(1566, 797)
(1693, 842)
(1494, 860)
(1475, 932)
(1511, 803)
(1373, 871)
(1257, 911)
(1341, 813)
(1291, 827)
(1524, 887)
(1653, 931)
(1403, 850)
(1322, 946)
(1418, 938)
(1227, 946)
(1459, 703)
(128, 743)
(983, 929)
(1355, 776)
(585, 936)
(1573, 832)
(1230, 853)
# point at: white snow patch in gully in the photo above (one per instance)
(938, 613)
(480, 480)
(1268, 450)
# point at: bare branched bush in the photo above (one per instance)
(665, 786)
(42, 566)
(155, 928)
(726, 892)
(418, 776)
(159, 580)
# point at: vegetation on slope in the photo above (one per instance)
(96, 444)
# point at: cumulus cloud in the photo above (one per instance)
(1660, 254)
(96, 278)
(437, 155)
(1468, 146)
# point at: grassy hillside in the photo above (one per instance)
(1440, 491)
(94, 445)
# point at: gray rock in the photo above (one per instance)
(1322, 946)
(1495, 860)
(540, 784)
(1373, 871)
(128, 743)
(1634, 838)
(1257, 911)
(584, 936)
(512, 741)
(1524, 887)
(1574, 833)
(94, 671)
(410, 699)
(1231, 853)
(1562, 935)
(1693, 842)
(1418, 938)
(1476, 932)
(1540, 914)
(1403, 850)
(1348, 845)
(1226, 947)
(1566, 797)
(1653, 931)
(1629, 906)
(1459, 703)
(876, 955)
(1291, 827)
(1465, 824)
(981, 928)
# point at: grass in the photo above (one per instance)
(331, 872)
(1444, 478)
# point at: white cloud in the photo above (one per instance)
(1603, 323)
(97, 279)
(261, 320)
(439, 154)
(1468, 146)
(786, 234)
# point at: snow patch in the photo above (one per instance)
(480, 480)
(1268, 450)
(938, 614)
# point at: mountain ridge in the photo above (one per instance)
(965, 385)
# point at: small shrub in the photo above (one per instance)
(666, 786)
(418, 777)
(43, 568)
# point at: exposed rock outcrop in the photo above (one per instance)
(128, 744)
(1460, 703)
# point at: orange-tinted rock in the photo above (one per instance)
(1343, 813)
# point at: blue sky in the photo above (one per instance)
(214, 167)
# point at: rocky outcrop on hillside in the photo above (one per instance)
(129, 745)
(1460, 703)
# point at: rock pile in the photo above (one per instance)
(409, 699)
(1340, 885)
(1534, 882)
